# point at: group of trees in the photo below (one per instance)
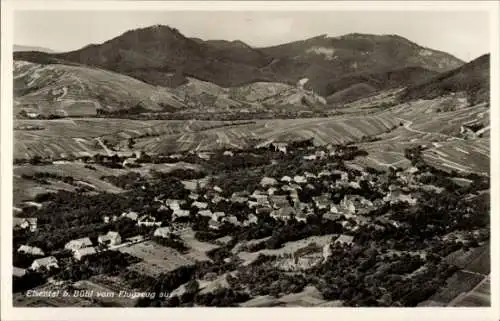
(107, 262)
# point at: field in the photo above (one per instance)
(460, 282)
(159, 259)
(26, 189)
(78, 136)
(480, 296)
(287, 248)
(309, 297)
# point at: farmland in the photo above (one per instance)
(159, 259)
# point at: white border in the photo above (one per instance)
(455, 314)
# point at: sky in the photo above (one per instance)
(462, 34)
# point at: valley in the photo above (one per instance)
(349, 171)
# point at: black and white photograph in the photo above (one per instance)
(249, 158)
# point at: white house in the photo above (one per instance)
(200, 205)
(78, 244)
(131, 215)
(25, 223)
(206, 213)
(30, 250)
(300, 179)
(164, 232)
(268, 181)
(81, 253)
(18, 272)
(48, 262)
(147, 220)
(111, 238)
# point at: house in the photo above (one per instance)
(173, 204)
(272, 190)
(325, 173)
(322, 201)
(354, 185)
(107, 219)
(332, 216)
(320, 154)
(239, 199)
(148, 220)
(286, 179)
(78, 244)
(129, 162)
(48, 263)
(216, 216)
(279, 201)
(217, 199)
(301, 217)
(397, 196)
(280, 147)
(194, 196)
(345, 239)
(309, 157)
(18, 272)
(283, 213)
(263, 210)
(164, 232)
(83, 252)
(262, 200)
(26, 249)
(200, 205)
(268, 181)
(214, 225)
(300, 179)
(232, 220)
(131, 215)
(206, 213)
(309, 175)
(180, 213)
(111, 238)
(251, 219)
(25, 223)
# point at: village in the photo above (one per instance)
(336, 199)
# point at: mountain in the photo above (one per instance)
(472, 78)
(328, 60)
(154, 54)
(18, 48)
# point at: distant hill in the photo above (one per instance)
(359, 85)
(154, 53)
(18, 48)
(66, 90)
(78, 90)
(472, 78)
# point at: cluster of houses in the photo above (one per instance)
(80, 248)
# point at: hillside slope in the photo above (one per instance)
(472, 78)
(76, 91)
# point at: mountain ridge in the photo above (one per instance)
(150, 53)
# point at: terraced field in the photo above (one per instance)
(77, 90)
(77, 136)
